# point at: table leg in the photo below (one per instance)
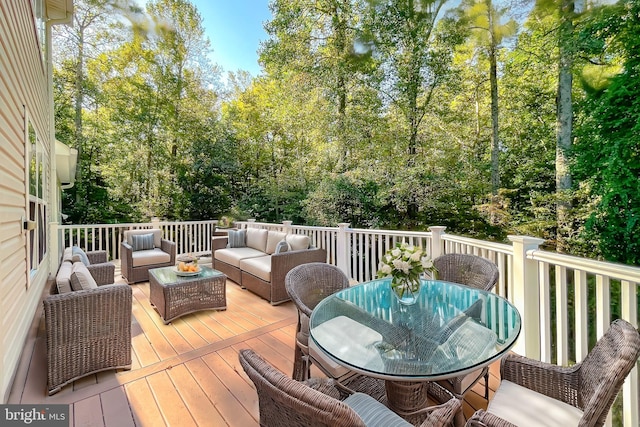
(407, 397)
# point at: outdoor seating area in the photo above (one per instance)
(183, 373)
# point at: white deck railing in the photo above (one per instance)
(552, 291)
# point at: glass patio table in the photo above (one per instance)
(450, 331)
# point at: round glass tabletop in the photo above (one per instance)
(451, 330)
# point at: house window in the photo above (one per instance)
(38, 185)
(38, 12)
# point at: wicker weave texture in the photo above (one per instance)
(591, 385)
(465, 269)
(307, 285)
(87, 332)
(287, 402)
(187, 295)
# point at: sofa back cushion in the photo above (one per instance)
(157, 236)
(273, 238)
(298, 242)
(81, 278)
(63, 278)
(257, 239)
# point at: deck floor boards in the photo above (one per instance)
(184, 373)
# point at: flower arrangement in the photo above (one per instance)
(405, 263)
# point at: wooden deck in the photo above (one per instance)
(185, 373)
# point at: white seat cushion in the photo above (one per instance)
(524, 407)
(150, 257)
(334, 333)
(328, 365)
(233, 256)
(259, 267)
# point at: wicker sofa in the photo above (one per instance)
(135, 264)
(257, 264)
(88, 330)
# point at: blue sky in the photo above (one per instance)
(235, 28)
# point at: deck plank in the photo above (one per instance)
(115, 408)
(227, 406)
(170, 402)
(143, 404)
(195, 399)
(88, 412)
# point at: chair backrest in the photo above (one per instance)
(308, 284)
(286, 402)
(469, 270)
(605, 368)
(157, 235)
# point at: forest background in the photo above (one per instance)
(492, 118)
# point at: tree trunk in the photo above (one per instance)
(79, 83)
(495, 141)
(564, 123)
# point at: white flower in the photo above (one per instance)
(402, 266)
(396, 252)
(426, 263)
(416, 255)
(385, 269)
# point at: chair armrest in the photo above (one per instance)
(126, 260)
(97, 257)
(219, 242)
(283, 262)
(560, 383)
(484, 419)
(169, 247)
(102, 273)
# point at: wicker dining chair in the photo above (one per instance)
(307, 285)
(286, 402)
(538, 393)
(476, 272)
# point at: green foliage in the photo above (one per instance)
(608, 150)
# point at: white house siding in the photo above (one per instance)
(23, 90)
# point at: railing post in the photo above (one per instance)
(342, 246)
(54, 246)
(287, 226)
(437, 244)
(155, 222)
(526, 295)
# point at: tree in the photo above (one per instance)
(485, 22)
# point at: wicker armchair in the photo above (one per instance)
(135, 265)
(317, 401)
(87, 331)
(476, 272)
(307, 285)
(537, 393)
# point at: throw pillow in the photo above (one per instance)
(82, 254)
(81, 278)
(142, 242)
(281, 247)
(298, 242)
(237, 238)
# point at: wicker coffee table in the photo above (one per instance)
(174, 296)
